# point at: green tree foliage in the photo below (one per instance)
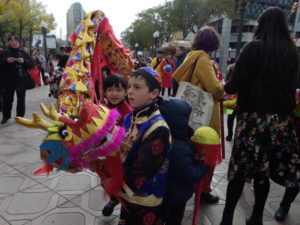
(147, 22)
(23, 17)
(177, 15)
(190, 14)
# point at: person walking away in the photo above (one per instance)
(14, 63)
(205, 77)
(42, 61)
(265, 143)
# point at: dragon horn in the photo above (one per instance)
(52, 113)
(36, 122)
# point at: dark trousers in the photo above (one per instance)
(1, 99)
(230, 121)
(289, 196)
(43, 74)
(163, 91)
(175, 86)
(174, 213)
(8, 99)
(234, 192)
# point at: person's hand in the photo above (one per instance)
(11, 59)
(20, 60)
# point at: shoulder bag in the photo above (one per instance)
(202, 102)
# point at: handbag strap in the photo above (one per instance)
(192, 71)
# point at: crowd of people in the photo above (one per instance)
(159, 160)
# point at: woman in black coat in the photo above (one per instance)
(265, 143)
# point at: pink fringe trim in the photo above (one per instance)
(77, 152)
(95, 140)
(98, 152)
(115, 143)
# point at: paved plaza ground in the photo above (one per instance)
(77, 199)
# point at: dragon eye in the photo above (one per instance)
(64, 133)
(103, 140)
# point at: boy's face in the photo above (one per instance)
(139, 93)
(115, 94)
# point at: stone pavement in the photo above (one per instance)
(77, 199)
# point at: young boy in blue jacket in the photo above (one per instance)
(184, 170)
(145, 152)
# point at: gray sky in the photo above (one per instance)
(121, 13)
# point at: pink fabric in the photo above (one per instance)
(91, 144)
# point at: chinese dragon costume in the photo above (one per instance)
(82, 131)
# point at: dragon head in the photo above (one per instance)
(74, 141)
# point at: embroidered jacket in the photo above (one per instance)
(145, 155)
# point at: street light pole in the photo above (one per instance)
(155, 37)
(136, 49)
(242, 8)
(44, 27)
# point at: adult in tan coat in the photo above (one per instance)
(205, 77)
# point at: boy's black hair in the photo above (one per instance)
(115, 80)
(151, 83)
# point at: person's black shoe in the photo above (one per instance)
(3, 121)
(109, 208)
(208, 198)
(229, 138)
(281, 213)
(251, 221)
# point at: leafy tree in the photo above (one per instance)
(147, 22)
(23, 17)
(190, 14)
(177, 15)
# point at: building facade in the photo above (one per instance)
(74, 15)
(229, 29)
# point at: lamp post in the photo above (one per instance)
(155, 38)
(241, 6)
(136, 49)
(44, 27)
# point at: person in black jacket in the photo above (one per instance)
(14, 64)
(63, 59)
(265, 143)
(184, 170)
